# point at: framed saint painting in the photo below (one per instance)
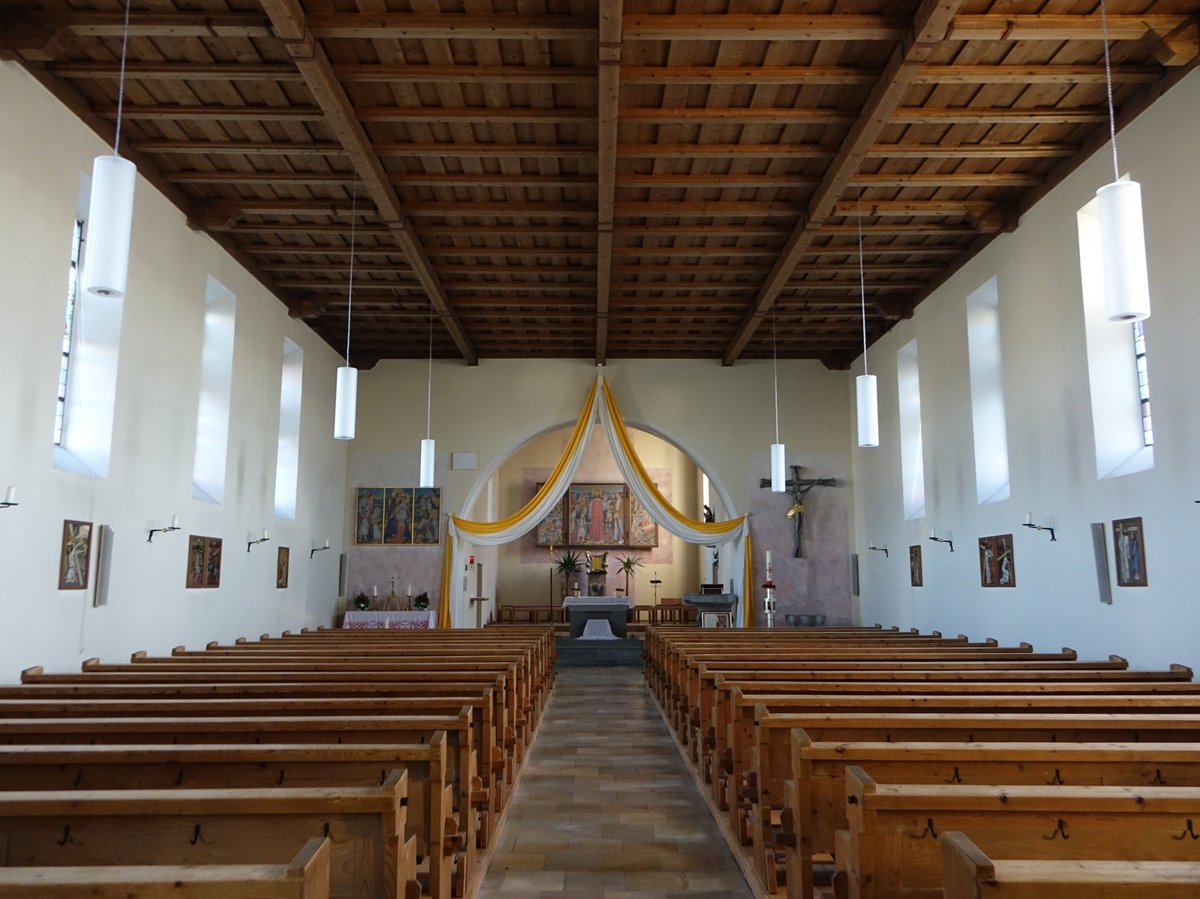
(204, 562)
(283, 558)
(1129, 543)
(75, 555)
(642, 529)
(916, 571)
(368, 516)
(427, 516)
(997, 565)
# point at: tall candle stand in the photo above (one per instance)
(769, 599)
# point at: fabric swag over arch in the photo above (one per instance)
(599, 404)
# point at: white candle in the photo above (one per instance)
(1029, 518)
(872, 546)
(933, 533)
(375, 590)
(174, 521)
(410, 589)
(768, 557)
(326, 544)
(264, 534)
(11, 495)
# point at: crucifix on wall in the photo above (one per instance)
(798, 488)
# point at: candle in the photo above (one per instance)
(326, 544)
(872, 546)
(174, 521)
(264, 534)
(11, 495)
(1029, 518)
(768, 557)
(375, 590)
(410, 590)
(932, 533)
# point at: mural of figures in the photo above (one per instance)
(204, 562)
(552, 530)
(916, 571)
(283, 560)
(642, 529)
(598, 515)
(427, 516)
(369, 510)
(397, 528)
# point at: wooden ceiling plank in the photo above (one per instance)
(1035, 74)
(457, 26)
(1048, 27)
(766, 151)
(288, 20)
(769, 27)
(739, 75)
(607, 113)
(930, 24)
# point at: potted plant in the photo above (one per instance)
(361, 601)
(628, 565)
(568, 565)
(420, 602)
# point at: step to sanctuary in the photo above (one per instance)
(599, 653)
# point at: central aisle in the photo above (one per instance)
(606, 808)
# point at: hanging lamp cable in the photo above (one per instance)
(1112, 115)
(429, 382)
(121, 79)
(775, 361)
(350, 291)
(862, 283)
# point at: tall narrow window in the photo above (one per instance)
(987, 394)
(87, 389)
(1117, 370)
(64, 366)
(287, 462)
(216, 385)
(1143, 375)
(912, 460)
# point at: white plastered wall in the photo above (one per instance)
(721, 417)
(1051, 449)
(43, 150)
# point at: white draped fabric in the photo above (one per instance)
(599, 400)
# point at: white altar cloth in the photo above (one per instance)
(597, 629)
(392, 621)
(591, 601)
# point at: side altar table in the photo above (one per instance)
(392, 621)
(581, 609)
(710, 602)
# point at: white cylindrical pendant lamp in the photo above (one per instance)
(1123, 248)
(345, 405)
(868, 410)
(428, 452)
(778, 473)
(110, 219)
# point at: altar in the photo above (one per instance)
(391, 621)
(715, 609)
(581, 609)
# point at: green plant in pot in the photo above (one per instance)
(420, 602)
(628, 565)
(568, 565)
(361, 601)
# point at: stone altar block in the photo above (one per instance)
(711, 602)
(615, 609)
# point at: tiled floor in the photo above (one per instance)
(606, 808)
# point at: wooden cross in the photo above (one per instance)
(798, 488)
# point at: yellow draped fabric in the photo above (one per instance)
(494, 533)
(747, 583)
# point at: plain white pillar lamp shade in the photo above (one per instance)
(428, 454)
(109, 222)
(867, 388)
(345, 407)
(1123, 251)
(778, 468)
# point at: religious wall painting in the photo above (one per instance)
(204, 562)
(75, 556)
(710, 618)
(997, 565)
(397, 515)
(642, 529)
(427, 516)
(551, 530)
(368, 516)
(916, 571)
(283, 559)
(1129, 545)
(597, 515)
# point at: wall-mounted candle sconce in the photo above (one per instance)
(318, 549)
(263, 539)
(936, 539)
(173, 526)
(10, 498)
(879, 549)
(1038, 527)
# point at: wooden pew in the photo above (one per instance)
(370, 859)
(894, 848)
(352, 730)
(816, 790)
(430, 818)
(305, 877)
(968, 873)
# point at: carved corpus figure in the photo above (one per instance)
(797, 489)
